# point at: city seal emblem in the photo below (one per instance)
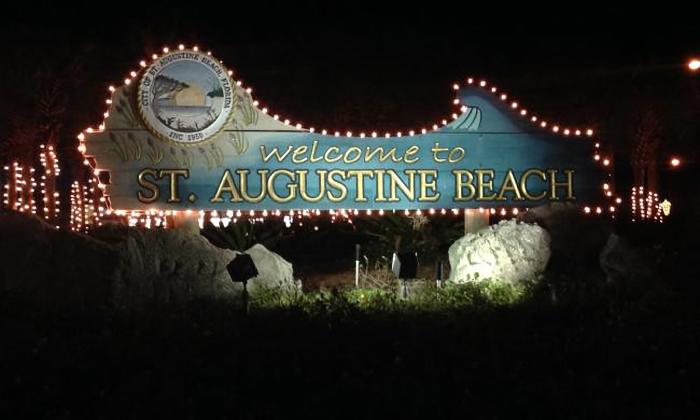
(185, 97)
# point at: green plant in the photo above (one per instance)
(485, 293)
(423, 298)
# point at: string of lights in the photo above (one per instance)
(645, 205)
(50, 195)
(19, 192)
(146, 217)
(87, 211)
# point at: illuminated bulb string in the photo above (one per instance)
(515, 106)
(165, 218)
(49, 193)
(86, 211)
(645, 206)
(19, 193)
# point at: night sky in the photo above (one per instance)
(363, 67)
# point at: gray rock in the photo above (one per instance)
(118, 266)
(576, 240)
(164, 266)
(509, 252)
(53, 266)
(274, 272)
(621, 263)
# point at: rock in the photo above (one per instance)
(621, 263)
(118, 265)
(576, 240)
(274, 272)
(25, 247)
(123, 266)
(164, 266)
(51, 266)
(509, 252)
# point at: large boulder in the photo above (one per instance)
(158, 266)
(621, 263)
(576, 240)
(117, 265)
(52, 266)
(274, 272)
(509, 252)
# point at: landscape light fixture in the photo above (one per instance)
(405, 266)
(439, 273)
(241, 269)
(666, 207)
(357, 265)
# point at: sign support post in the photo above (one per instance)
(357, 266)
(474, 221)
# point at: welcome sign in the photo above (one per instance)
(183, 135)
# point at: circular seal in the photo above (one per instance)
(185, 97)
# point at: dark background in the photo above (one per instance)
(365, 66)
(614, 351)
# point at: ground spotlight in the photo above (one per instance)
(241, 269)
(439, 273)
(405, 266)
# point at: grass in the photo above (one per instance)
(467, 351)
(423, 297)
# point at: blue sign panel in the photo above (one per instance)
(187, 137)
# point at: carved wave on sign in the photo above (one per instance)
(470, 119)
